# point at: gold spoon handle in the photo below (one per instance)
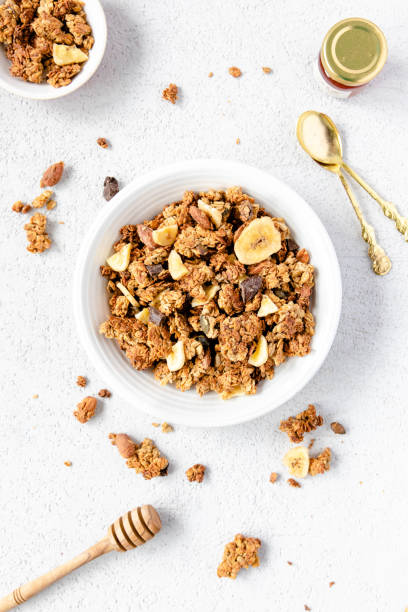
(381, 262)
(389, 209)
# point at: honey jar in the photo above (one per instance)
(353, 52)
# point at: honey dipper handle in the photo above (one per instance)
(24, 592)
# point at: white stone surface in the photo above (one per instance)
(350, 525)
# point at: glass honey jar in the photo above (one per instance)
(353, 52)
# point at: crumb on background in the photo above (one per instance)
(35, 396)
(210, 75)
(156, 424)
(166, 428)
(68, 463)
(102, 142)
(238, 141)
(104, 393)
(170, 93)
(294, 483)
(266, 69)
(273, 477)
(235, 72)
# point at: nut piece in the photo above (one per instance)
(52, 175)
(267, 307)
(110, 187)
(104, 393)
(127, 293)
(102, 142)
(143, 316)
(176, 267)
(81, 381)
(214, 214)
(65, 54)
(119, 261)
(145, 234)
(86, 409)
(258, 241)
(234, 71)
(297, 461)
(196, 473)
(166, 235)
(200, 217)
(210, 292)
(294, 483)
(125, 445)
(176, 357)
(337, 428)
(242, 552)
(260, 355)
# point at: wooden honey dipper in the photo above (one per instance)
(129, 531)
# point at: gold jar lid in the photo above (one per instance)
(353, 52)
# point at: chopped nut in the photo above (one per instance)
(200, 216)
(266, 69)
(86, 409)
(196, 473)
(170, 93)
(234, 71)
(52, 175)
(294, 483)
(145, 234)
(273, 477)
(337, 428)
(68, 463)
(321, 463)
(81, 381)
(102, 142)
(242, 552)
(166, 428)
(42, 199)
(296, 427)
(104, 393)
(110, 187)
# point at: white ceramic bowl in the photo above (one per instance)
(36, 91)
(144, 198)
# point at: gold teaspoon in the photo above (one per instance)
(320, 138)
(313, 132)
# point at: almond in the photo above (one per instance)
(146, 235)
(125, 445)
(200, 217)
(52, 175)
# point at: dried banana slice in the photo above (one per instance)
(209, 294)
(260, 355)
(176, 267)
(213, 213)
(267, 307)
(65, 54)
(119, 261)
(257, 241)
(297, 461)
(165, 235)
(143, 316)
(176, 357)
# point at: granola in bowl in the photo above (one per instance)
(211, 293)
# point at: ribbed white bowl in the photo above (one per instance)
(144, 198)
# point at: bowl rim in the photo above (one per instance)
(100, 361)
(25, 90)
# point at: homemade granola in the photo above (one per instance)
(210, 293)
(321, 463)
(45, 40)
(38, 239)
(196, 473)
(144, 458)
(296, 427)
(242, 552)
(86, 409)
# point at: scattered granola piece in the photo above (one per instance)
(332, 583)
(196, 473)
(321, 463)
(102, 142)
(104, 393)
(81, 381)
(68, 463)
(110, 187)
(242, 552)
(273, 477)
(51, 204)
(156, 424)
(266, 69)
(210, 75)
(42, 199)
(52, 175)
(311, 443)
(337, 428)
(234, 71)
(297, 461)
(296, 427)
(238, 141)
(35, 396)
(61, 222)
(307, 608)
(166, 428)
(170, 93)
(144, 458)
(39, 241)
(86, 409)
(294, 483)
(18, 207)
(289, 563)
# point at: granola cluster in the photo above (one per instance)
(196, 473)
(242, 552)
(37, 236)
(184, 302)
(296, 427)
(144, 458)
(45, 40)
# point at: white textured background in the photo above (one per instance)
(349, 525)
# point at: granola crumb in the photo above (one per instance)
(242, 552)
(156, 424)
(296, 427)
(42, 199)
(170, 93)
(196, 473)
(210, 75)
(61, 222)
(102, 142)
(238, 141)
(332, 583)
(104, 393)
(86, 409)
(19, 207)
(266, 69)
(321, 463)
(144, 458)
(38, 239)
(307, 608)
(234, 71)
(51, 204)
(337, 428)
(81, 381)
(311, 443)
(273, 477)
(35, 396)
(289, 562)
(166, 428)
(68, 463)
(294, 483)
